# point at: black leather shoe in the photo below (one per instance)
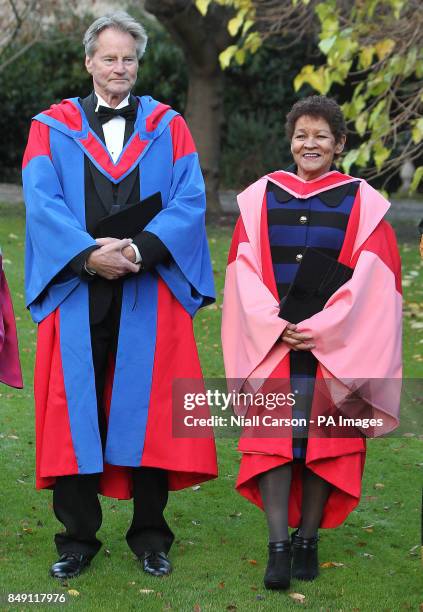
(278, 571)
(156, 563)
(69, 565)
(305, 561)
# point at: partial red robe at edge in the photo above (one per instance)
(10, 367)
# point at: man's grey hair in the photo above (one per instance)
(119, 20)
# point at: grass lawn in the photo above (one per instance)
(220, 549)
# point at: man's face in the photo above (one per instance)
(114, 65)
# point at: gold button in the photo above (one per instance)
(303, 219)
(299, 257)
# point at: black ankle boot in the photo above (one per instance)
(278, 571)
(305, 562)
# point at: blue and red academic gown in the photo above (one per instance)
(156, 339)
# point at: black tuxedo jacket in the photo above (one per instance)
(100, 196)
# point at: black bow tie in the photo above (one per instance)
(105, 113)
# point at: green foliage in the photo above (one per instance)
(257, 97)
(163, 72)
(374, 99)
(418, 176)
(239, 26)
(27, 86)
(253, 147)
(375, 43)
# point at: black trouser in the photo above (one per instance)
(75, 498)
(303, 366)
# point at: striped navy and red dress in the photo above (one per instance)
(320, 222)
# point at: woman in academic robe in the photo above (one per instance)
(342, 361)
(10, 368)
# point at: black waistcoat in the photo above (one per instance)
(100, 195)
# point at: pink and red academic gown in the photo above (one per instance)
(10, 367)
(357, 337)
(156, 339)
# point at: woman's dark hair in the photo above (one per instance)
(317, 106)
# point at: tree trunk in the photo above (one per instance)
(202, 40)
(204, 114)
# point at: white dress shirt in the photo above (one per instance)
(114, 130)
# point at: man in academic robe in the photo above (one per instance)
(115, 315)
(10, 367)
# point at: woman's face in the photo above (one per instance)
(313, 146)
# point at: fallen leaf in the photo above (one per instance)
(368, 555)
(195, 522)
(197, 608)
(299, 597)
(235, 514)
(408, 435)
(414, 551)
(231, 607)
(221, 585)
(146, 591)
(379, 485)
(332, 564)
(73, 592)
(416, 325)
(252, 561)
(196, 487)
